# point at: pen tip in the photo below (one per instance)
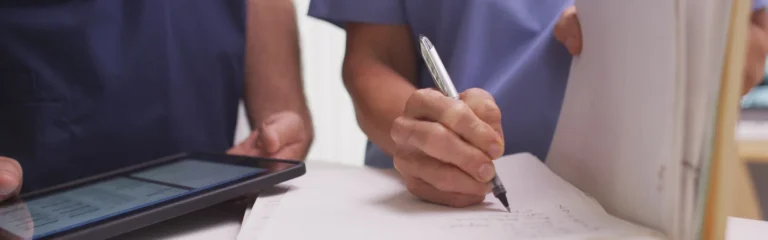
(509, 210)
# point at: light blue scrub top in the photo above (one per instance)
(505, 47)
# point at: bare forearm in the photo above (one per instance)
(378, 104)
(273, 73)
(379, 71)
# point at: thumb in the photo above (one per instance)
(280, 130)
(10, 177)
(247, 147)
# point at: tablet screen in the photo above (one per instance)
(46, 215)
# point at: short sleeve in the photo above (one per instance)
(759, 4)
(364, 11)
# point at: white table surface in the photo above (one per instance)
(223, 221)
(220, 222)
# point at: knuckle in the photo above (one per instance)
(432, 93)
(477, 93)
(420, 93)
(399, 130)
(423, 100)
(458, 108)
(425, 94)
(473, 92)
(444, 182)
(477, 126)
(415, 99)
(491, 111)
(474, 160)
(456, 113)
(438, 131)
(437, 137)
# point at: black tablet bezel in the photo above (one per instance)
(129, 221)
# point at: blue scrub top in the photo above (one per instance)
(94, 85)
(505, 47)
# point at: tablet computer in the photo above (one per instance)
(117, 202)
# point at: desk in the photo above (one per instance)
(220, 222)
(223, 221)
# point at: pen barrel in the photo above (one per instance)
(443, 80)
(498, 188)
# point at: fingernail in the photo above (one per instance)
(486, 172)
(494, 151)
(8, 184)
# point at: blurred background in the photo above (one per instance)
(758, 98)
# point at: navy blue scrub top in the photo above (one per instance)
(88, 86)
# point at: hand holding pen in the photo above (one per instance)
(445, 142)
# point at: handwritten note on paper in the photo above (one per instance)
(529, 222)
(371, 204)
(554, 222)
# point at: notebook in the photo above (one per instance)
(644, 147)
(647, 125)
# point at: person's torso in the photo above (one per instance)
(508, 49)
(88, 86)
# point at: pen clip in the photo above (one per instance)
(426, 45)
(436, 69)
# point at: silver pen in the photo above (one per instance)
(444, 83)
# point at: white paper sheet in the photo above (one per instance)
(373, 204)
(260, 213)
(619, 136)
(746, 229)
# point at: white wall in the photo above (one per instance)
(337, 137)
